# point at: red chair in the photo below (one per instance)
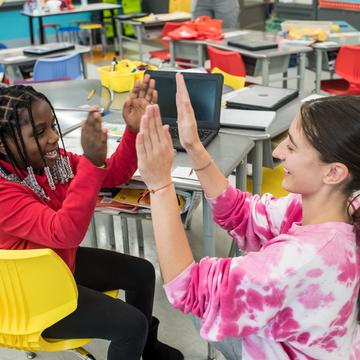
(228, 61)
(347, 66)
(164, 54)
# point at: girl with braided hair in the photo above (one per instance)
(293, 295)
(48, 197)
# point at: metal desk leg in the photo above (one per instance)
(93, 236)
(111, 232)
(83, 64)
(240, 175)
(265, 71)
(172, 53)
(285, 82)
(208, 225)
(120, 38)
(13, 72)
(41, 29)
(139, 38)
(211, 352)
(125, 235)
(301, 71)
(32, 40)
(318, 56)
(201, 57)
(257, 167)
(140, 237)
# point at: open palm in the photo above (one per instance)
(142, 94)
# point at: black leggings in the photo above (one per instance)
(99, 316)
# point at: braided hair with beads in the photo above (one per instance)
(15, 108)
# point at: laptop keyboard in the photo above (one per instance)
(203, 133)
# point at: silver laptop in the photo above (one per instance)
(253, 44)
(258, 97)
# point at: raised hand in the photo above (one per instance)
(186, 118)
(94, 138)
(141, 95)
(154, 149)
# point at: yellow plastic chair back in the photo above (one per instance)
(235, 82)
(272, 179)
(37, 289)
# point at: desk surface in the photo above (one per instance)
(15, 56)
(73, 94)
(258, 35)
(78, 9)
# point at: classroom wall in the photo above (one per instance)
(14, 28)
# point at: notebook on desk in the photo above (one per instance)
(258, 97)
(253, 44)
(246, 119)
(205, 95)
(46, 49)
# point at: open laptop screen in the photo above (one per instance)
(205, 92)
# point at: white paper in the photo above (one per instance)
(184, 172)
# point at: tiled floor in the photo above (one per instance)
(175, 328)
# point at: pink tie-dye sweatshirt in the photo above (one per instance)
(292, 296)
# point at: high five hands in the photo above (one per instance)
(141, 95)
(153, 143)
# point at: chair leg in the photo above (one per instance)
(30, 355)
(125, 235)
(83, 354)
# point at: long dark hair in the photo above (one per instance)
(15, 109)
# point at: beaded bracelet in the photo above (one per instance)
(204, 167)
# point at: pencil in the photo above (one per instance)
(91, 94)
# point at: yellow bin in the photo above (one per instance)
(125, 74)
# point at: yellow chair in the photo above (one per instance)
(235, 82)
(272, 179)
(180, 5)
(37, 289)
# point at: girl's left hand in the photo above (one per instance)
(141, 95)
(154, 149)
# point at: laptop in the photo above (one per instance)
(46, 49)
(253, 44)
(205, 92)
(246, 119)
(258, 97)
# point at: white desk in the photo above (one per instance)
(11, 59)
(78, 9)
(258, 63)
(261, 155)
(323, 48)
(143, 30)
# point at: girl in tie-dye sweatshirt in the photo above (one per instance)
(294, 293)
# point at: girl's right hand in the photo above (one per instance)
(186, 121)
(94, 138)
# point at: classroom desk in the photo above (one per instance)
(258, 63)
(72, 94)
(143, 30)
(11, 59)
(78, 9)
(322, 49)
(229, 151)
(271, 61)
(261, 155)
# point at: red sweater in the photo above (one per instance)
(28, 222)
